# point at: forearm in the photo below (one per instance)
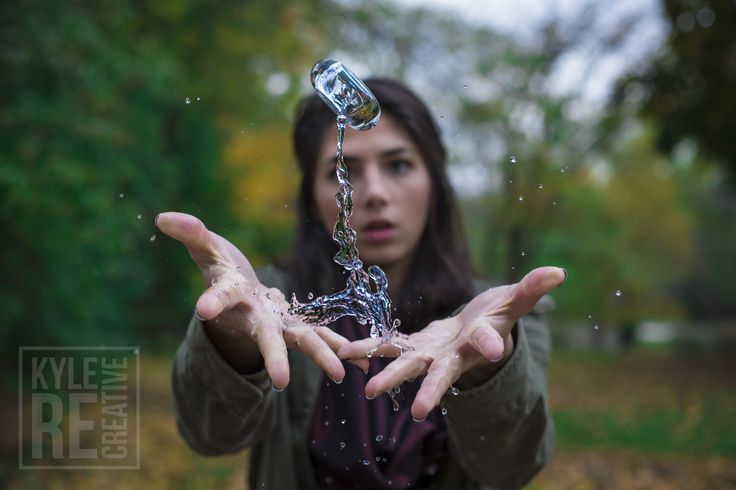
(218, 410)
(501, 429)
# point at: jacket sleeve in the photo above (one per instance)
(501, 431)
(218, 410)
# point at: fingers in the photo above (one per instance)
(440, 376)
(336, 341)
(410, 365)
(367, 347)
(270, 342)
(310, 343)
(536, 284)
(191, 232)
(219, 298)
(487, 341)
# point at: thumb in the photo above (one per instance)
(534, 285)
(192, 233)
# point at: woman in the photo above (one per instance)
(335, 430)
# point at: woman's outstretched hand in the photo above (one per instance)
(248, 322)
(475, 341)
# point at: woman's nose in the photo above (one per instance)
(374, 190)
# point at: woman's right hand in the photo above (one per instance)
(248, 322)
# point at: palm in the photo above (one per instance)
(477, 337)
(240, 306)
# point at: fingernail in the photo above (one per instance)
(335, 381)
(155, 220)
(197, 316)
(278, 390)
(497, 358)
(418, 420)
(564, 272)
(369, 397)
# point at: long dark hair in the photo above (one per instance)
(440, 277)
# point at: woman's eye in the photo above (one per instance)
(400, 166)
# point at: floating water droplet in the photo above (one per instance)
(595, 327)
(188, 100)
(342, 421)
(444, 410)
(523, 253)
(198, 98)
(140, 216)
(366, 462)
(310, 295)
(153, 237)
(342, 445)
(379, 438)
(541, 186)
(214, 281)
(521, 198)
(121, 195)
(618, 293)
(512, 159)
(378, 459)
(454, 390)
(511, 181)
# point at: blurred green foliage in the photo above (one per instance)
(97, 137)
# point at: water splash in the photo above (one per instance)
(365, 296)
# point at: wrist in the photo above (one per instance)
(236, 348)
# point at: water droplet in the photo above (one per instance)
(121, 195)
(541, 186)
(214, 281)
(140, 216)
(562, 170)
(590, 317)
(521, 198)
(454, 390)
(482, 438)
(188, 100)
(378, 459)
(153, 237)
(523, 253)
(342, 421)
(511, 181)
(444, 410)
(310, 295)
(366, 462)
(379, 438)
(512, 159)
(595, 327)
(198, 98)
(618, 293)
(342, 445)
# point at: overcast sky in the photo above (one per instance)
(523, 18)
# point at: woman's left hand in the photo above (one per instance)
(474, 342)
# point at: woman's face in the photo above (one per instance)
(392, 191)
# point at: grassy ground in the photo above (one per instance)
(644, 420)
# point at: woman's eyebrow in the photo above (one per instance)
(387, 153)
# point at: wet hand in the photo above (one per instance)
(238, 308)
(476, 340)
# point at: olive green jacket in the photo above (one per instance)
(500, 432)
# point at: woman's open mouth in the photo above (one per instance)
(379, 231)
